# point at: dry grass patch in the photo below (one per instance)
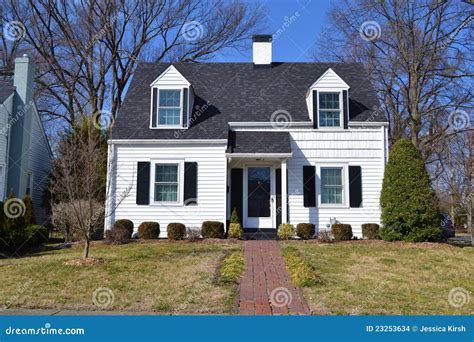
(376, 277)
(173, 277)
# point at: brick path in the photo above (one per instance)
(266, 286)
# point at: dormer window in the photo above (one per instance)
(330, 109)
(172, 98)
(169, 109)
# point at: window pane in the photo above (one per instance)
(170, 98)
(166, 173)
(166, 192)
(169, 116)
(329, 100)
(331, 185)
(329, 119)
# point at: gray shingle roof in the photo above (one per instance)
(238, 92)
(259, 142)
(6, 87)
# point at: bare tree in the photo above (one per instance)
(77, 188)
(419, 57)
(88, 50)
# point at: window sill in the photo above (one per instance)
(333, 206)
(169, 127)
(166, 204)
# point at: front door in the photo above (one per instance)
(259, 203)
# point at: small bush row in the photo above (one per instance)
(231, 268)
(122, 231)
(338, 232)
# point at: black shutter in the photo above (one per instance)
(309, 186)
(355, 186)
(279, 208)
(345, 110)
(185, 107)
(236, 191)
(190, 183)
(315, 109)
(154, 107)
(143, 183)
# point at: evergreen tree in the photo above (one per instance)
(409, 206)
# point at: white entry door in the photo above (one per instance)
(259, 197)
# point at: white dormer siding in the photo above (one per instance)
(171, 79)
(328, 83)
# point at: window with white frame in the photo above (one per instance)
(332, 185)
(166, 182)
(169, 107)
(329, 109)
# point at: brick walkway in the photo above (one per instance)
(266, 286)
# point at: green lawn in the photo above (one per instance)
(375, 277)
(171, 277)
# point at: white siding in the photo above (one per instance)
(360, 147)
(171, 77)
(330, 80)
(211, 185)
(5, 110)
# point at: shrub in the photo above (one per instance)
(118, 235)
(235, 216)
(235, 231)
(232, 267)
(305, 231)
(408, 201)
(325, 236)
(301, 271)
(176, 231)
(149, 230)
(390, 234)
(286, 231)
(126, 224)
(193, 234)
(29, 217)
(212, 230)
(341, 231)
(370, 231)
(36, 235)
(432, 234)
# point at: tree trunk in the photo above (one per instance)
(87, 244)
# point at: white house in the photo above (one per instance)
(281, 142)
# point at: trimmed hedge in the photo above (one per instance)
(235, 231)
(212, 230)
(176, 231)
(286, 231)
(305, 231)
(126, 224)
(370, 231)
(149, 230)
(408, 202)
(341, 232)
(118, 235)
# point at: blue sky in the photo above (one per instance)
(296, 25)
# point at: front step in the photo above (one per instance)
(260, 234)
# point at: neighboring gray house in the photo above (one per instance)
(280, 142)
(25, 154)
